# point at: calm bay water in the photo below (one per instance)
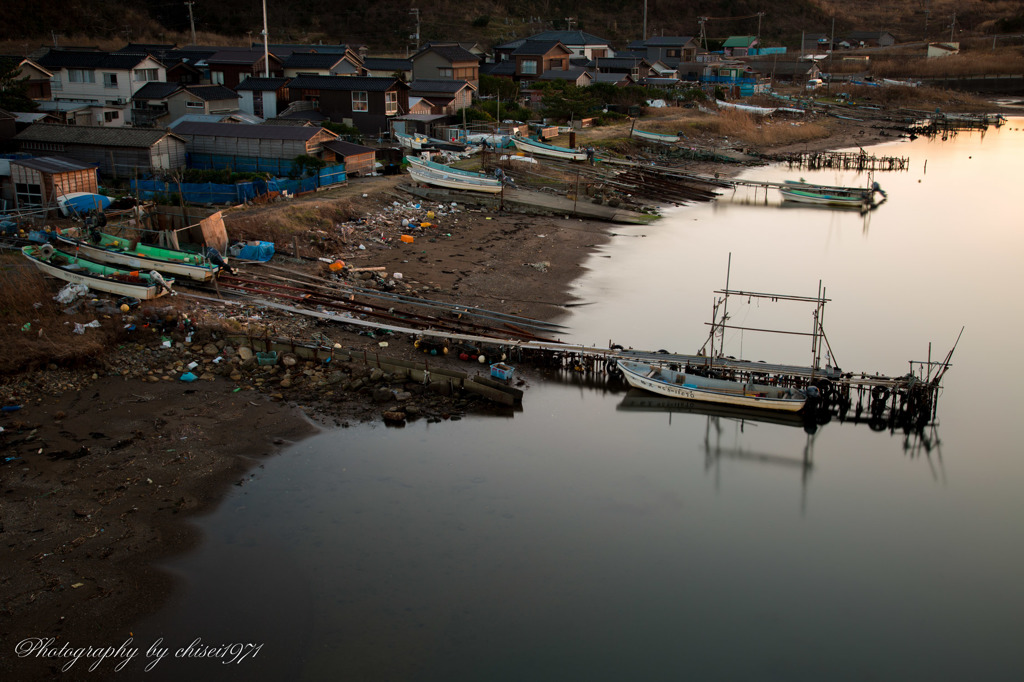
(580, 539)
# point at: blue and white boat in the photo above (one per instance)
(525, 144)
(660, 138)
(79, 203)
(439, 175)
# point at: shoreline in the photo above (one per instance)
(170, 450)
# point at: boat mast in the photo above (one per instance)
(725, 301)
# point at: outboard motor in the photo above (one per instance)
(159, 279)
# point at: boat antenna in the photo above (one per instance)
(949, 356)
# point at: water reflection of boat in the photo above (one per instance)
(690, 386)
(637, 400)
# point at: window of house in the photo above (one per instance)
(671, 53)
(56, 84)
(528, 66)
(110, 80)
(81, 76)
(217, 77)
(445, 73)
(146, 75)
(28, 195)
(194, 105)
(390, 103)
(360, 102)
(109, 116)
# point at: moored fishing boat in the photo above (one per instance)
(661, 138)
(525, 144)
(97, 276)
(689, 386)
(439, 175)
(123, 252)
(801, 192)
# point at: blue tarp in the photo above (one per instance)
(261, 251)
(210, 193)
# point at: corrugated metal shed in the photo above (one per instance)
(92, 135)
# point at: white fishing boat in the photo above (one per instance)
(80, 203)
(421, 142)
(97, 276)
(525, 144)
(689, 386)
(824, 195)
(660, 138)
(127, 253)
(439, 175)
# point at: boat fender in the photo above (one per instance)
(46, 250)
(880, 393)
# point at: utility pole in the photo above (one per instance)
(128, 33)
(759, 15)
(416, 13)
(645, 19)
(952, 26)
(192, 21)
(55, 35)
(266, 43)
(703, 34)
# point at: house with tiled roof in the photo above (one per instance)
(637, 68)
(449, 95)
(535, 57)
(576, 76)
(580, 43)
(117, 152)
(156, 104)
(321, 64)
(37, 79)
(446, 61)
(106, 81)
(619, 79)
(365, 102)
(229, 67)
(263, 97)
(383, 67)
(739, 46)
(476, 48)
(669, 50)
(869, 39)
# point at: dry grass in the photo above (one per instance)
(1009, 61)
(918, 98)
(26, 298)
(756, 131)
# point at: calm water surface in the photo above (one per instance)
(580, 539)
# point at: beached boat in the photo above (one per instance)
(677, 384)
(439, 175)
(80, 203)
(421, 142)
(525, 144)
(801, 192)
(97, 276)
(661, 138)
(127, 253)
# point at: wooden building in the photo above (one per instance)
(270, 148)
(358, 160)
(117, 152)
(365, 102)
(38, 182)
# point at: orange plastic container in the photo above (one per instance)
(408, 238)
(336, 265)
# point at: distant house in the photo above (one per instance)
(423, 106)
(229, 67)
(477, 49)
(534, 57)
(39, 181)
(451, 96)
(263, 97)
(739, 46)
(669, 50)
(202, 99)
(797, 70)
(358, 160)
(446, 61)
(149, 104)
(271, 148)
(576, 76)
(383, 67)
(118, 152)
(618, 79)
(869, 39)
(321, 64)
(37, 79)
(103, 80)
(364, 102)
(637, 68)
(579, 43)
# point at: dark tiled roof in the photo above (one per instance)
(71, 59)
(570, 37)
(228, 56)
(287, 122)
(619, 63)
(557, 75)
(386, 64)
(189, 55)
(260, 132)
(156, 90)
(144, 48)
(4, 114)
(306, 60)
(631, 54)
(536, 47)
(453, 53)
(349, 83)
(210, 93)
(52, 164)
(438, 85)
(667, 41)
(505, 68)
(100, 136)
(347, 148)
(262, 83)
(285, 49)
(610, 77)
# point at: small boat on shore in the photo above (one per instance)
(128, 253)
(97, 276)
(637, 400)
(676, 384)
(80, 203)
(660, 138)
(798, 191)
(439, 175)
(422, 142)
(525, 144)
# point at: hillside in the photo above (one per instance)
(385, 26)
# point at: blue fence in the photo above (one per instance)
(240, 192)
(768, 50)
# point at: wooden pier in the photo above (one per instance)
(855, 161)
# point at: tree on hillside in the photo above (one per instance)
(14, 90)
(567, 101)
